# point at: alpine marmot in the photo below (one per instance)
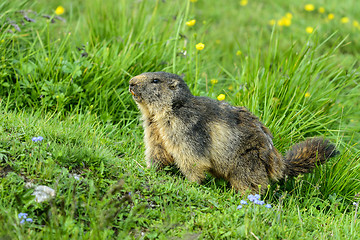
(199, 135)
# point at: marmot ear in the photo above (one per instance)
(173, 84)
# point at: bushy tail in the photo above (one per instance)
(304, 156)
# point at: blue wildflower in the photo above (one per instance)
(239, 207)
(37, 139)
(268, 206)
(243, 202)
(251, 198)
(258, 202)
(22, 215)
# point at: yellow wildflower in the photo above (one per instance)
(214, 81)
(331, 16)
(287, 22)
(272, 22)
(344, 20)
(284, 21)
(193, 1)
(221, 97)
(59, 10)
(200, 46)
(321, 10)
(231, 87)
(2, 41)
(243, 2)
(309, 29)
(288, 15)
(356, 23)
(309, 7)
(190, 23)
(307, 95)
(238, 53)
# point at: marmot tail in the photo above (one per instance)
(304, 156)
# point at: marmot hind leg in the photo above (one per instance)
(249, 174)
(244, 184)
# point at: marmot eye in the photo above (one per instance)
(155, 80)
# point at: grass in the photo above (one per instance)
(67, 82)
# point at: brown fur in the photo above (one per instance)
(201, 135)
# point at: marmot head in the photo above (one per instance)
(159, 90)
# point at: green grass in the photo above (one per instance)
(67, 81)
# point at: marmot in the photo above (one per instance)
(200, 135)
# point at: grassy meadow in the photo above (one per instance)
(64, 72)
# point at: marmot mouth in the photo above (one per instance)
(135, 97)
(132, 92)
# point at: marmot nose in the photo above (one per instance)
(131, 87)
(132, 83)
